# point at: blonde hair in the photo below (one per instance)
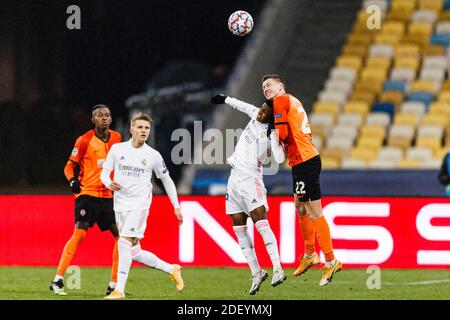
(141, 116)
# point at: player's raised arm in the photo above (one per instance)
(163, 173)
(239, 105)
(277, 148)
(107, 168)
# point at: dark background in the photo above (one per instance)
(50, 76)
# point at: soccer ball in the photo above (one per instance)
(240, 23)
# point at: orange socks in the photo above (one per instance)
(324, 237)
(307, 228)
(69, 250)
(115, 263)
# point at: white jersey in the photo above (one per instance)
(133, 168)
(253, 146)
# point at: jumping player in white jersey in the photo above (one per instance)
(133, 163)
(246, 194)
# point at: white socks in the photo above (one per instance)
(247, 248)
(149, 259)
(270, 241)
(124, 247)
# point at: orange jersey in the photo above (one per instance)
(293, 129)
(89, 153)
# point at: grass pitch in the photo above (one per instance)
(31, 283)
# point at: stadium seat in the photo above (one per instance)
(378, 118)
(373, 73)
(435, 75)
(433, 50)
(321, 119)
(363, 153)
(371, 86)
(440, 108)
(435, 62)
(394, 97)
(410, 119)
(373, 143)
(354, 50)
(317, 141)
(389, 39)
(359, 39)
(353, 163)
(399, 14)
(340, 143)
(407, 51)
(378, 62)
(409, 164)
(333, 96)
(436, 119)
(373, 130)
(403, 74)
(350, 119)
(435, 5)
(402, 130)
(343, 73)
(344, 132)
(337, 85)
(415, 107)
(391, 153)
(320, 131)
(440, 39)
(443, 27)
(326, 107)
(357, 107)
(398, 141)
(330, 163)
(364, 96)
(389, 108)
(420, 28)
(444, 96)
(394, 85)
(410, 63)
(430, 130)
(403, 5)
(424, 15)
(424, 97)
(424, 86)
(430, 142)
(393, 27)
(432, 164)
(419, 153)
(381, 50)
(349, 62)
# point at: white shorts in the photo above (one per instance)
(132, 223)
(245, 193)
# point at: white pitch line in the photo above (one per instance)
(419, 283)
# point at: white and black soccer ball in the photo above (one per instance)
(240, 23)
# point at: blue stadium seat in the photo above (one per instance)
(394, 85)
(424, 97)
(446, 5)
(387, 107)
(440, 39)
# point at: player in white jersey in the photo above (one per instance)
(133, 163)
(246, 194)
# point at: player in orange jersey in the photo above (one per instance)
(93, 201)
(294, 131)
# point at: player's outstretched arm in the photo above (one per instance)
(277, 148)
(171, 191)
(239, 105)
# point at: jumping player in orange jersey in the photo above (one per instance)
(93, 201)
(294, 131)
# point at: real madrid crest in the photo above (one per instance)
(144, 162)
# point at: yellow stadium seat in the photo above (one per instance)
(403, 5)
(409, 164)
(438, 119)
(349, 61)
(395, 97)
(373, 130)
(362, 39)
(357, 107)
(412, 63)
(445, 85)
(366, 154)
(393, 27)
(372, 73)
(319, 131)
(444, 96)
(402, 142)
(385, 38)
(439, 108)
(406, 118)
(442, 152)
(373, 86)
(402, 15)
(330, 163)
(420, 28)
(378, 62)
(421, 40)
(326, 107)
(334, 153)
(354, 50)
(435, 5)
(424, 85)
(433, 49)
(433, 143)
(364, 96)
(407, 51)
(444, 15)
(373, 143)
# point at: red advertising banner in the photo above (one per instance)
(388, 232)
